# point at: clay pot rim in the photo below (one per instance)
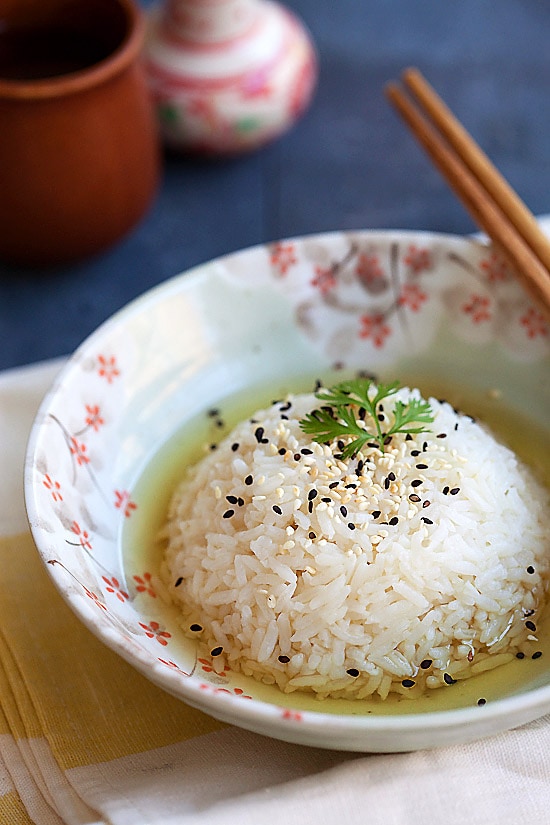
(91, 76)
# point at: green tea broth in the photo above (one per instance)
(142, 550)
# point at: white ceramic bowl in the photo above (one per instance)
(439, 311)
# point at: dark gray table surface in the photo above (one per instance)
(349, 163)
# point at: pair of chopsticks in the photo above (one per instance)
(492, 203)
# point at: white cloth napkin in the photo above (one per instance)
(102, 745)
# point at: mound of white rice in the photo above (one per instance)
(391, 571)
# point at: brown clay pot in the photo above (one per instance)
(79, 149)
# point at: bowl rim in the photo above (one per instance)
(527, 705)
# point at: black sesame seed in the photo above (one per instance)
(391, 476)
(351, 486)
(216, 651)
(284, 659)
(277, 509)
(421, 466)
(282, 450)
(178, 581)
(285, 407)
(454, 491)
(408, 437)
(426, 503)
(196, 628)
(448, 679)
(376, 513)
(481, 702)
(340, 444)
(362, 413)
(537, 654)
(326, 499)
(228, 513)
(312, 494)
(408, 683)
(213, 447)
(333, 484)
(352, 671)
(240, 501)
(351, 526)
(520, 655)
(381, 416)
(372, 444)
(306, 451)
(530, 626)
(387, 483)
(416, 482)
(387, 440)
(414, 497)
(393, 521)
(445, 490)
(310, 507)
(456, 426)
(312, 535)
(415, 452)
(249, 480)
(441, 435)
(344, 510)
(232, 499)
(297, 456)
(360, 465)
(424, 446)
(426, 520)
(531, 569)
(284, 417)
(235, 446)
(426, 663)
(259, 434)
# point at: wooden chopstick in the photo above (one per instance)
(489, 199)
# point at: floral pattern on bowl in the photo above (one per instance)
(374, 301)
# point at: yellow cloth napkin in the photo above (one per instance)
(86, 739)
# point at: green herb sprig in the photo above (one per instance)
(352, 410)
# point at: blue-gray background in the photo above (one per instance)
(349, 163)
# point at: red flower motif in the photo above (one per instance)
(283, 256)
(495, 268)
(153, 630)
(113, 586)
(54, 487)
(291, 715)
(535, 323)
(107, 368)
(95, 598)
(240, 692)
(124, 503)
(418, 260)
(368, 269)
(412, 296)
(374, 327)
(478, 307)
(79, 450)
(94, 419)
(206, 665)
(144, 584)
(83, 536)
(324, 279)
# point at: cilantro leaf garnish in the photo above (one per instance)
(352, 410)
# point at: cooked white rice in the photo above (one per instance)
(420, 567)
